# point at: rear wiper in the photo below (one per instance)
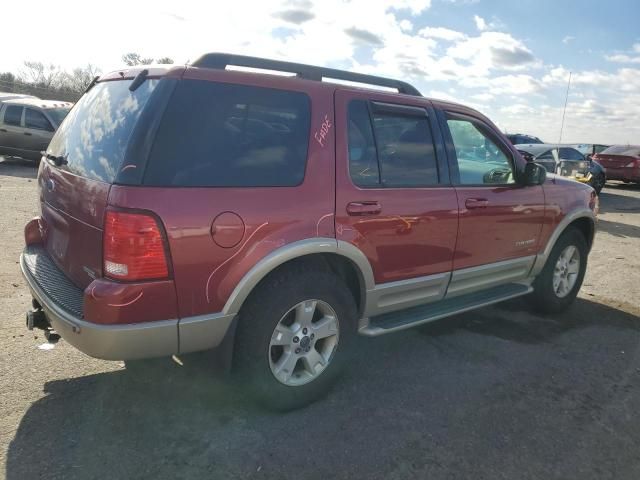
(58, 160)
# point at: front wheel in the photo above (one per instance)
(293, 336)
(557, 286)
(598, 182)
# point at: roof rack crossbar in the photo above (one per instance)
(308, 72)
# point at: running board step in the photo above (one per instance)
(410, 317)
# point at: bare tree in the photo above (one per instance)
(132, 59)
(165, 60)
(7, 82)
(41, 75)
(80, 78)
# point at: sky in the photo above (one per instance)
(509, 59)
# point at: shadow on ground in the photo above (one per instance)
(18, 167)
(493, 393)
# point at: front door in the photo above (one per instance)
(394, 200)
(500, 220)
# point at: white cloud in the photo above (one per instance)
(568, 39)
(481, 23)
(406, 25)
(441, 33)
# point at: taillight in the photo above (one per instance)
(633, 164)
(134, 247)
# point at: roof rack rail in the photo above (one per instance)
(308, 72)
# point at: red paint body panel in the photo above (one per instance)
(108, 302)
(508, 227)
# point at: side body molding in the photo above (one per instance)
(296, 250)
(541, 258)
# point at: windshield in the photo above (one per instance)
(93, 137)
(58, 114)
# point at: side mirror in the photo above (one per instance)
(534, 174)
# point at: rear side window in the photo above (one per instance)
(225, 135)
(13, 115)
(390, 149)
(94, 135)
(35, 119)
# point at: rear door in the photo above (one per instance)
(500, 221)
(11, 129)
(37, 131)
(394, 200)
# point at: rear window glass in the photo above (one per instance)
(224, 135)
(627, 150)
(93, 137)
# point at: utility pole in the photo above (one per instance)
(566, 99)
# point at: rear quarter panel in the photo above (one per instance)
(205, 274)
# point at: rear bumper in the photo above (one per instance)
(117, 342)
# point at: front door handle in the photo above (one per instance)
(3, 130)
(364, 208)
(472, 203)
(27, 134)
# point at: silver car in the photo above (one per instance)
(27, 125)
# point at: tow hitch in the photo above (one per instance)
(37, 319)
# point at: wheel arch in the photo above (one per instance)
(342, 258)
(583, 220)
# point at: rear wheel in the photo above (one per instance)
(293, 336)
(557, 285)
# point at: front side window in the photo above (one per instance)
(390, 149)
(13, 115)
(35, 119)
(226, 135)
(480, 160)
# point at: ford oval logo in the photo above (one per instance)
(51, 185)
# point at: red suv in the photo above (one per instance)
(186, 209)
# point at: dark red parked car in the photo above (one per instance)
(622, 162)
(186, 209)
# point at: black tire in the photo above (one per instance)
(258, 319)
(598, 183)
(544, 298)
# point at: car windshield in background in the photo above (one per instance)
(93, 137)
(58, 114)
(626, 150)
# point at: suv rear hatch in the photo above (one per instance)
(82, 161)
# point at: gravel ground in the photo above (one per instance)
(496, 393)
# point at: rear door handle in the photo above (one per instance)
(472, 203)
(3, 130)
(27, 134)
(364, 208)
